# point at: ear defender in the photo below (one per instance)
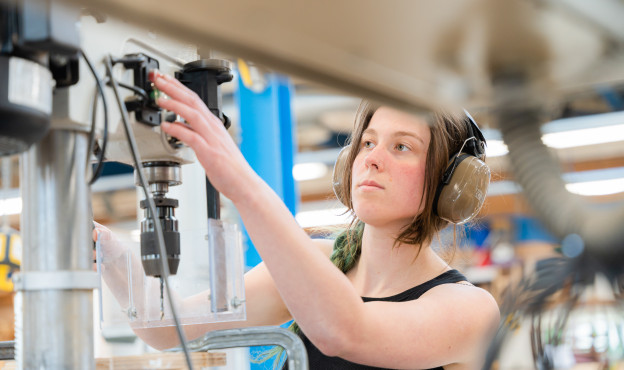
(463, 187)
(341, 162)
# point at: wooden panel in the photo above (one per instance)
(161, 361)
(150, 361)
(7, 319)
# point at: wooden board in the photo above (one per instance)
(7, 318)
(161, 361)
(151, 361)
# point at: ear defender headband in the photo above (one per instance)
(463, 187)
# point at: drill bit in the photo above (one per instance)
(162, 301)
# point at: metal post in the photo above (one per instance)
(54, 309)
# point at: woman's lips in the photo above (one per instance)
(370, 184)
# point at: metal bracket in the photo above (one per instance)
(297, 356)
(56, 280)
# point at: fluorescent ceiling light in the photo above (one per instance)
(568, 133)
(582, 137)
(595, 188)
(309, 171)
(10, 206)
(587, 183)
(323, 217)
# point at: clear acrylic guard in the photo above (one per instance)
(210, 273)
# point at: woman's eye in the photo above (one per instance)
(368, 144)
(402, 148)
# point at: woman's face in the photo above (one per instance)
(389, 169)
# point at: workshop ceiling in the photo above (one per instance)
(413, 54)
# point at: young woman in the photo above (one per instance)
(392, 302)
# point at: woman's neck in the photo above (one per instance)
(384, 269)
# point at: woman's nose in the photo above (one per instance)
(374, 158)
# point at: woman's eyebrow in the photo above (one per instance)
(369, 131)
(410, 134)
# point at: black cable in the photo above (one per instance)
(100, 163)
(129, 59)
(93, 144)
(152, 207)
(136, 90)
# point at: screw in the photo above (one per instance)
(132, 313)
(236, 302)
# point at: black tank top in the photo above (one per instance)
(318, 361)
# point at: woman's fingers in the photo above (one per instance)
(176, 90)
(194, 117)
(187, 104)
(170, 86)
(100, 230)
(186, 135)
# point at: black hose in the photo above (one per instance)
(539, 174)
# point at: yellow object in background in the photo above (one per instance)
(245, 74)
(10, 258)
(252, 76)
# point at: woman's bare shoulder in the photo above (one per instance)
(473, 299)
(473, 309)
(473, 303)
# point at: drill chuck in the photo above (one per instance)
(150, 254)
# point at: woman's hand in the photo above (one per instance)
(223, 162)
(110, 246)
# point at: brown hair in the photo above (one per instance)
(448, 133)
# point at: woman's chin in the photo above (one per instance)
(375, 219)
(381, 218)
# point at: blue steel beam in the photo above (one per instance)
(268, 141)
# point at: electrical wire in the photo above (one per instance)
(152, 207)
(93, 144)
(100, 163)
(129, 59)
(134, 89)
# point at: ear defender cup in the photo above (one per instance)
(339, 167)
(460, 196)
(464, 185)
